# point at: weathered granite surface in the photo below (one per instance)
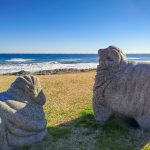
(122, 88)
(22, 119)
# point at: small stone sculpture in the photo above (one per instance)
(22, 119)
(122, 88)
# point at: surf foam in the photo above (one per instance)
(34, 67)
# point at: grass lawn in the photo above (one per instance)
(70, 121)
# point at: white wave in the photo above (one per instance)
(9, 68)
(69, 60)
(18, 60)
(143, 61)
(134, 58)
(53, 62)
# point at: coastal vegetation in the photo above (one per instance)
(70, 121)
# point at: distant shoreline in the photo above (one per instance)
(48, 72)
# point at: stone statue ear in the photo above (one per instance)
(29, 87)
(109, 58)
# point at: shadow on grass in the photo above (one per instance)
(86, 133)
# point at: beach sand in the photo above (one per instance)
(70, 121)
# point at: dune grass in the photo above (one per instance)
(70, 121)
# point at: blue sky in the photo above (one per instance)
(74, 26)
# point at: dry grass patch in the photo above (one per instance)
(70, 121)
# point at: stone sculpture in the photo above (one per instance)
(22, 119)
(122, 88)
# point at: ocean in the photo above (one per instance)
(10, 63)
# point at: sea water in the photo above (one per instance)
(10, 63)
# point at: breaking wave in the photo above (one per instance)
(18, 60)
(34, 67)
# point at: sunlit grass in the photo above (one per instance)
(70, 121)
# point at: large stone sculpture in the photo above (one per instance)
(122, 88)
(22, 119)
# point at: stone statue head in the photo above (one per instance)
(111, 57)
(28, 86)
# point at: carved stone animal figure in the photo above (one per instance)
(122, 88)
(22, 119)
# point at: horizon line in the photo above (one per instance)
(65, 53)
